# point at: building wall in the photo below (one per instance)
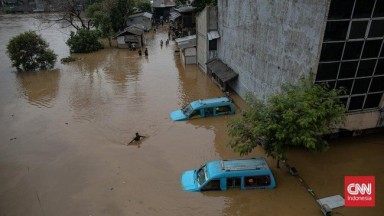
(268, 42)
(202, 39)
(206, 21)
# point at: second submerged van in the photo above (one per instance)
(204, 108)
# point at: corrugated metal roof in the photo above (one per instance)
(213, 35)
(185, 42)
(174, 15)
(224, 72)
(145, 14)
(185, 9)
(132, 30)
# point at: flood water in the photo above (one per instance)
(63, 136)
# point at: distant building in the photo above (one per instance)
(187, 47)
(144, 19)
(162, 9)
(130, 37)
(271, 42)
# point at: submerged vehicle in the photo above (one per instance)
(204, 108)
(253, 173)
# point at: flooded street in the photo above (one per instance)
(63, 136)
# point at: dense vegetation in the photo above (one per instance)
(84, 41)
(299, 116)
(29, 51)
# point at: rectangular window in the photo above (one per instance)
(213, 44)
(331, 51)
(366, 68)
(345, 84)
(377, 84)
(356, 102)
(353, 50)
(379, 9)
(336, 30)
(327, 71)
(340, 9)
(361, 86)
(363, 8)
(371, 48)
(373, 100)
(379, 67)
(376, 29)
(348, 69)
(358, 29)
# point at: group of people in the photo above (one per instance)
(166, 42)
(145, 52)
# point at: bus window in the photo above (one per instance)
(223, 110)
(212, 185)
(208, 112)
(233, 182)
(257, 181)
(194, 114)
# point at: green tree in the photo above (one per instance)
(99, 13)
(299, 116)
(29, 51)
(84, 41)
(145, 6)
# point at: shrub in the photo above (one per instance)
(84, 41)
(28, 51)
(68, 59)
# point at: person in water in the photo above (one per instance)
(136, 138)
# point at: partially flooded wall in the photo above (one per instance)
(270, 42)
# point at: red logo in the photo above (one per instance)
(359, 191)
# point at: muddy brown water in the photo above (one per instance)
(63, 136)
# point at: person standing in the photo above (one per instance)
(146, 52)
(140, 52)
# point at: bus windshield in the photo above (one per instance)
(201, 175)
(187, 110)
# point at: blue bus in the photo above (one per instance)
(204, 108)
(253, 173)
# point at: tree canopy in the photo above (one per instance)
(298, 116)
(84, 41)
(29, 51)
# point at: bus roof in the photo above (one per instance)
(239, 166)
(210, 101)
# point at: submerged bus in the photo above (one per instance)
(253, 173)
(204, 108)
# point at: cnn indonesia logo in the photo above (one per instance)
(359, 191)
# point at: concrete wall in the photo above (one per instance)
(202, 40)
(206, 21)
(268, 42)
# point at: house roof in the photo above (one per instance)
(224, 72)
(185, 9)
(133, 29)
(186, 42)
(145, 14)
(163, 3)
(174, 15)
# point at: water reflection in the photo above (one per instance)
(39, 88)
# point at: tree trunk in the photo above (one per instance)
(278, 163)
